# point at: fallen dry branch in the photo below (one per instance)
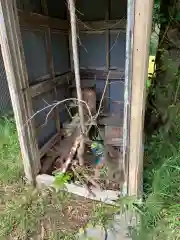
(70, 156)
(82, 181)
(94, 183)
(80, 151)
(88, 178)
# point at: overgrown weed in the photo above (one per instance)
(161, 205)
(26, 213)
(10, 158)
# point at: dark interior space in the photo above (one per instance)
(46, 37)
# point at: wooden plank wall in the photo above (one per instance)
(47, 71)
(40, 18)
(15, 67)
(102, 36)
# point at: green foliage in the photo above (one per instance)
(160, 208)
(148, 84)
(153, 47)
(61, 179)
(10, 159)
(31, 214)
(103, 215)
(156, 12)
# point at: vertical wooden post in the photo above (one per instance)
(127, 89)
(141, 33)
(76, 61)
(14, 61)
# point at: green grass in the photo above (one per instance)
(26, 213)
(10, 160)
(160, 211)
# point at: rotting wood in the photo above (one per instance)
(80, 151)
(142, 30)
(66, 145)
(49, 84)
(71, 154)
(14, 62)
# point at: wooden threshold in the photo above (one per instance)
(106, 196)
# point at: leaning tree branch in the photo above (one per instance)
(76, 61)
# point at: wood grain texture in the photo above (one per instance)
(48, 85)
(14, 62)
(142, 30)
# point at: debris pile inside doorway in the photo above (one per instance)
(89, 151)
(93, 159)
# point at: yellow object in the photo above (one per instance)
(81, 231)
(151, 65)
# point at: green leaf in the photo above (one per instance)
(61, 179)
(148, 84)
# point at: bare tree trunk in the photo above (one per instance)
(76, 61)
(77, 78)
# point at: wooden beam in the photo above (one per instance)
(141, 33)
(101, 25)
(34, 19)
(101, 74)
(14, 62)
(49, 84)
